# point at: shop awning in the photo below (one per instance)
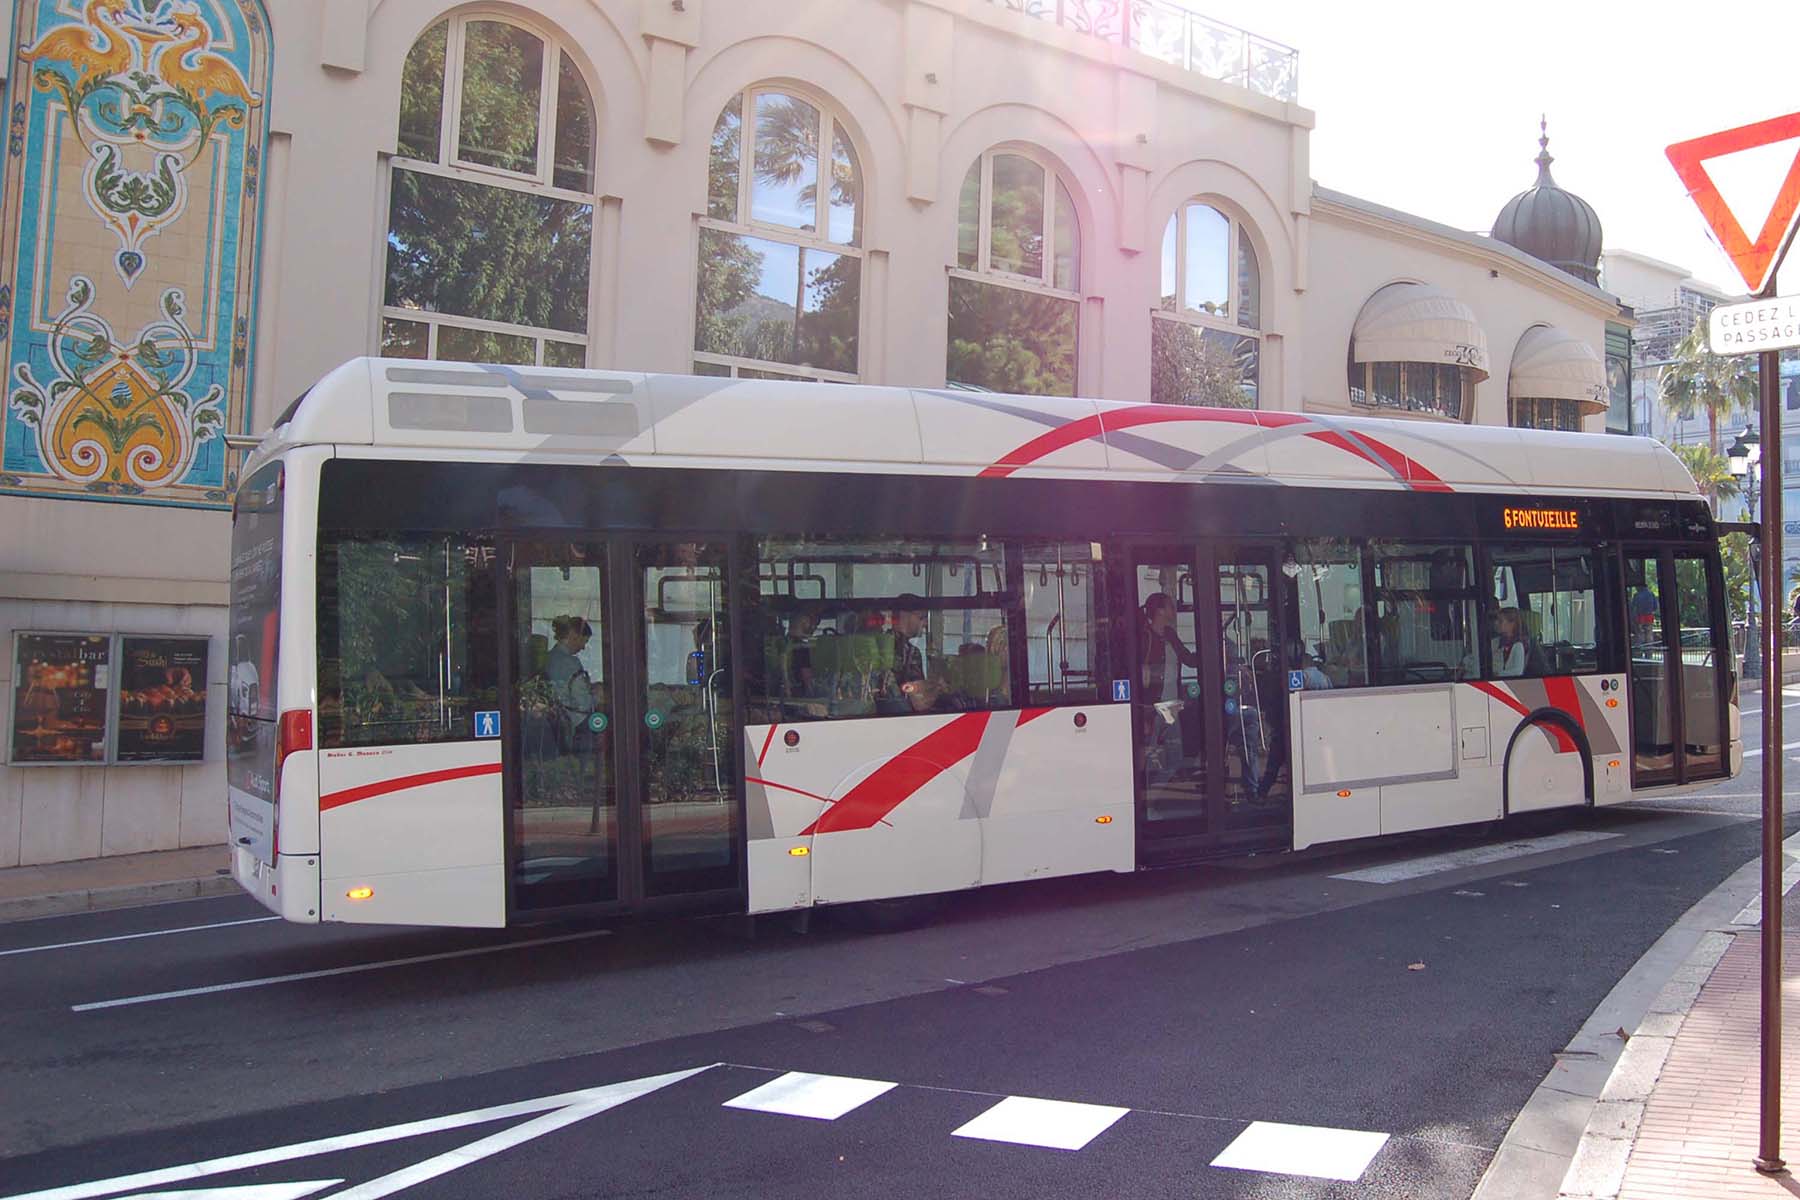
(1412, 322)
(1554, 364)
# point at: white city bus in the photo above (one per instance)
(509, 642)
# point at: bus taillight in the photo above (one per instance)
(293, 732)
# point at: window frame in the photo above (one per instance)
(450, 165)
(1557, 406)
(745, 225)
(1045, 282)
(1608, 656)
(1365, 372)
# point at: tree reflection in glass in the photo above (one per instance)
(422, 94)
(777, 302)
(786, 188)
(1192, 365)
(496, 254)
(502, 83)
(1016, 240)
(1003, 339)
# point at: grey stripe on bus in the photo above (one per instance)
(984, 769)
(463, 378)
(759, 822)
(444, 412)
(610, 419)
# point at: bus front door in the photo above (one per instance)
(619, 723)
(1679, 680)
(1209, 698)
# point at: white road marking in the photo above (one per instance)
(821, 1097)
(1432, 864)
(589, 1100)
(1785, 746)
(1751, 913)
(254, 1191)
(1055, 1124)
(269, 981)
(126, 937)
(1309, 1150)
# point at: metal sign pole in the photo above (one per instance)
(1768, 1159)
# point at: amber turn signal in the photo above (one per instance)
(1103, 820)
(360, 893)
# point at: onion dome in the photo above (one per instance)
(1550, 223)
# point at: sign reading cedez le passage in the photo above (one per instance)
(1757, 325)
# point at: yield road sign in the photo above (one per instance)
(1758, 325)
(1755, 260)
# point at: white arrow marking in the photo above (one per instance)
(255, 1191)
(588, 1101)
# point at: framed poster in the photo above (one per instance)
(61, 683)
(161, 700)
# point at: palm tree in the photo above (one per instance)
(1701, 381)
(1711, 472)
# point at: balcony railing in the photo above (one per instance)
(1168, 30)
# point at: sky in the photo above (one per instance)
(1432, 108)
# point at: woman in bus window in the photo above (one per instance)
(1511, 648)
(569, 682)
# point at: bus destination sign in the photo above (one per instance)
(1558, 520)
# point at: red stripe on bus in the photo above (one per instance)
(1028, 715)
(1417, 477)
(1565, 695)
(403, 783)
(764, 752)
(1503, 697)
(1082, 429)
(914, 767)
(784, 787)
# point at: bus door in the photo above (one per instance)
(1209, 695)
(1679, 675)
(619, 723)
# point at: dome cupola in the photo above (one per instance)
(1550, 223)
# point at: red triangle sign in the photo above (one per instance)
(1755, 260)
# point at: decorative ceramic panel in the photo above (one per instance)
(135, 140)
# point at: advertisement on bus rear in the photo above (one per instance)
(162, 700)
(60, 687)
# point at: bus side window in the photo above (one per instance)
(1328, 575)
(1064, 649)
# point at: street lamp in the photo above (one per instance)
(1744, 458)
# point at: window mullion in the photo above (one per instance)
(1181, 304)
(746, 155)
(823, 173)
(985, 224)
(548, 80)
(452, 102)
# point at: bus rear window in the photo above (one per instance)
(255, 595)
(408, 642)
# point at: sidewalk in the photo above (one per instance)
(1679, 1117)
(56, 889)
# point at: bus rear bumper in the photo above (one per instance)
(289, 887)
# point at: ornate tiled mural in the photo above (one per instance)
(135, 138)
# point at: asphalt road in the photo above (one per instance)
(1175, 1014)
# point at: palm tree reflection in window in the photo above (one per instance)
(779, 270)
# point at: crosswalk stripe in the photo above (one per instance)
(820, 1097)
(1432, 864)
(1310, 1150)
(1055, 1124)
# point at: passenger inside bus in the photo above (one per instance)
(1516, 653)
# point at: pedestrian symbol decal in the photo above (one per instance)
(487, 723)
(1121, 689)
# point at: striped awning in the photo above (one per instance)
(1554, 364)
(1413, 322)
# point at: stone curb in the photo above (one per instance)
(1571, 1139)
(80, 900)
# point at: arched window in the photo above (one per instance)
(491, 205)
(1014, 292)
(1417, 349)
(1556, 381)
(780, 267)
(1206, 332)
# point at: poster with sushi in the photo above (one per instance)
(162, 700)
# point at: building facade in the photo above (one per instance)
(211, 203)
